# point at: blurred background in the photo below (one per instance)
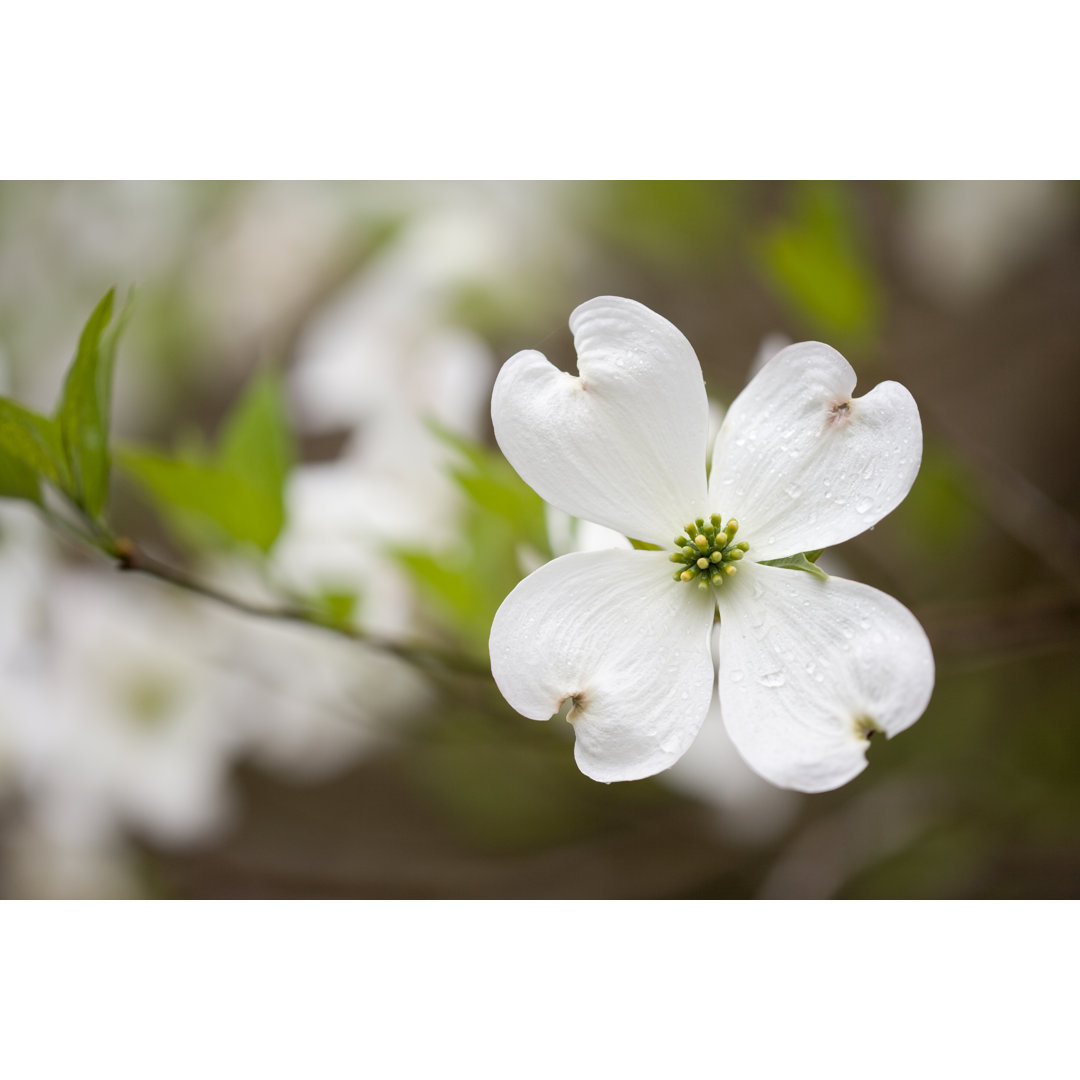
(301, 419)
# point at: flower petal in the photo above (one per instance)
(624, 444)
(628, 646)
(809, 669)
(802, 464)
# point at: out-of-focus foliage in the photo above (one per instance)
(503, 524)
(814, 258)
(70, 450)
(85, 409)
(236, 492)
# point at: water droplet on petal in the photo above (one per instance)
(772, 680)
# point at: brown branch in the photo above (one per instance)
(131, 559)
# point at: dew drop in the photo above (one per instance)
(863, 506)
(793, 491)
(736, 676)
(772, 680)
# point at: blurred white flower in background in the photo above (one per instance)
(25, 564)
(748, 809)
(963, 238)
(127, 704)
(139, 725)
(382, 362)
(260, 259)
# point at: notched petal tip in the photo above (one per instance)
(808, 463)
(621, 444)
(606, 639)
(849, 662)
(866, 727)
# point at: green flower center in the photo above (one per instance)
(708, 553)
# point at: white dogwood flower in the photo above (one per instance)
(809, 669)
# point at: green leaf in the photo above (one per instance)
(256, 442)
(203, 500)
(83, 412)
(491, 483)
(236, 494)
(17, 481)
(33, 442)
(815, 260)
(337, 606)
(465, 584)
(803, 561)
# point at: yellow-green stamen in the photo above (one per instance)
(707, 552)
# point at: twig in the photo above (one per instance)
(129, 558)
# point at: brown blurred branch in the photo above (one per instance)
(130, 558)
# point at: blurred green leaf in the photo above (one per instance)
(503, 519)
(83, 412)
(941, 509)
(815, 261)
(236, 494)
(466, 584)
(337, 606)
(674, 222)
(491, 483)
(256, 442)
(33, 442)
(17, 481)
(224, 501)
